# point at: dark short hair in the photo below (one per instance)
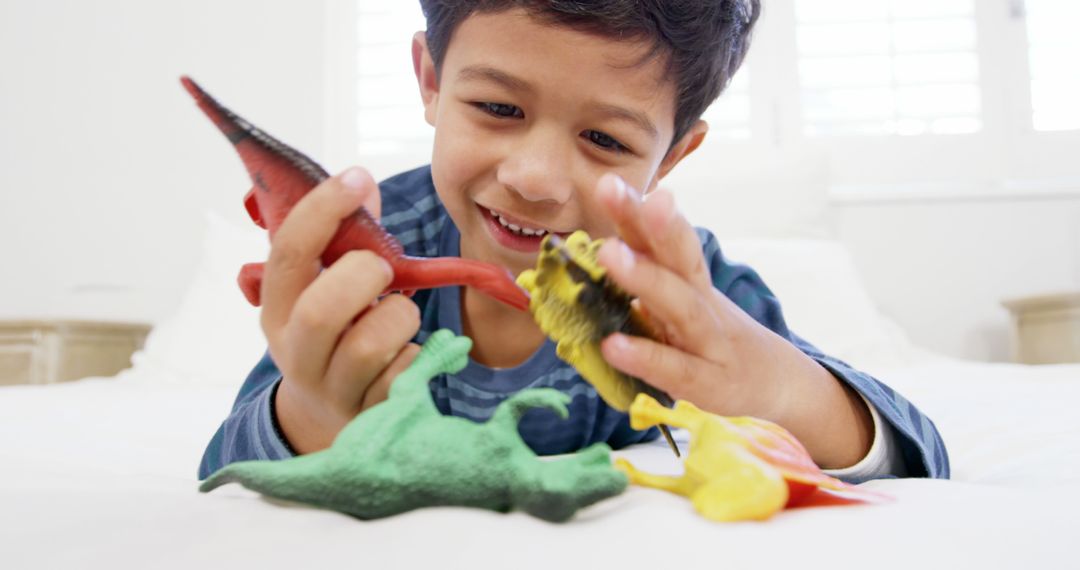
(704, 41)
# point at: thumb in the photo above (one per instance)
(372, 201)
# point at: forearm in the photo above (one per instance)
(828, 417)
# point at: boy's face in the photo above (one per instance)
(528, 117)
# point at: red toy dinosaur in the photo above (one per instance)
(282, 176)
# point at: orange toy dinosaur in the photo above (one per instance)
(738, 468)
(282, 176)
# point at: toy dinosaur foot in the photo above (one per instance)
(250, 281)
(643, 479)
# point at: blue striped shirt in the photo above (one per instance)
(414, 214)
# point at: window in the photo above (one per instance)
(389, 114)
(729, 116)
(888, 66)
(959, 96)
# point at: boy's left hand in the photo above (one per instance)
(713, 353)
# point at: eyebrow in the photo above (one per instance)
(484, 73)
(637, 118)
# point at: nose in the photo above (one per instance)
(538, 168)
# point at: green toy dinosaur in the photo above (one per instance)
(403, 454)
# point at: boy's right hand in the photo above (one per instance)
(334, 364)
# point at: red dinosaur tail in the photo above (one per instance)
(411, 273)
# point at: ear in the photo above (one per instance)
(424, 67)
(686, 145)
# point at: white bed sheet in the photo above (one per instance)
(101, 473)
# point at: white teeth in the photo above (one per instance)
(516, 228)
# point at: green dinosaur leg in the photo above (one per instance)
(509, 412)
(443, 352)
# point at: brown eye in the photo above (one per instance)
(501, 110)
(605, 141)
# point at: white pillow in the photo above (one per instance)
(737, 193)
(824, 300)
(214, 336)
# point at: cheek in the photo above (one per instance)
(457, 159)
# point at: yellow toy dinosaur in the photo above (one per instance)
(738, 468)
(576, 305)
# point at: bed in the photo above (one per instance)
(101, 472)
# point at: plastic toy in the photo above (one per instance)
(738, 468)
(402, 454)
(281, 176)
(576, 305)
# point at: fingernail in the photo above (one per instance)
(353, 179)
(625, 256)
(386, 268)
(628, 191)
(620, 186)
(618, 342)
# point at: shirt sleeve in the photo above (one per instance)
(919, 450)
(882, 460)
(251, 430)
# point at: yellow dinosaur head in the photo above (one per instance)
(576, 305)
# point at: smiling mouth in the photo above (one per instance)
(516, 229)
(513, 234)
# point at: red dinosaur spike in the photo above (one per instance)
(282, 176)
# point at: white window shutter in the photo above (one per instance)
(879, 67)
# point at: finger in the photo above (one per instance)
(301, 238)
(371, 345)
(623, 204)
(327, 306)
(380, 388)
(670, 299)
(671, 233)
(659, 365)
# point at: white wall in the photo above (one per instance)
(108, 165)
(940, 268)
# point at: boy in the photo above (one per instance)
(548, 114)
